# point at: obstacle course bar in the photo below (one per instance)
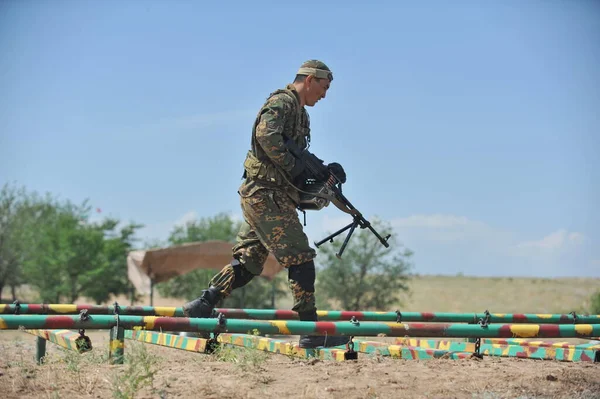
(283, 347)
(405, 348)
(190, 344)
(276, 314)
(543, 344)
(220, 325)
(66, 338)
(571, 354)
(272, 345)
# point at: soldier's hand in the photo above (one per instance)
(337, 170)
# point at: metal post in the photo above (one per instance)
(40, 350)
(117, 345)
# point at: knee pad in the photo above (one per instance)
(304, 274)
(242, 275)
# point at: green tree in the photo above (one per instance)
(257, 294)
(22, 218)
(52, 246)
(70, 257)
(113, 263)
(12, 214)
(369, 276)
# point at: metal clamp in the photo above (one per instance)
(485, 321)
(350, 353)
(221, 320)
(575, 317)
(83, 343)
(84, 315)
(477, 352)
(354, 321)
(17, 307)
(398, 316)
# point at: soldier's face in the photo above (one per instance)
(316, 90)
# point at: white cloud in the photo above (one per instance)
(559, 240)
(444, 227)
(432, 221)
(160, 231)
(446, 243)
(187, 217)
(559, 253)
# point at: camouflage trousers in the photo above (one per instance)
(271, 224)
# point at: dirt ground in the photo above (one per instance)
(156, 372)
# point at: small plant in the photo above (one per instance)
(241, 356)
(141, 366)
(291, 352)
(226, 353)
(72, 360)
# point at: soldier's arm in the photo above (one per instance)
(273, 120)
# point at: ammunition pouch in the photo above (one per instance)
(264, 171)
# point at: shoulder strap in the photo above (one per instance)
(278, 91)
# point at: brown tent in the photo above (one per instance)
(147, 267)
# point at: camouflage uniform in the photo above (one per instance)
(268, 200)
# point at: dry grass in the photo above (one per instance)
(500, 294)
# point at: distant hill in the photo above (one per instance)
(500, 294)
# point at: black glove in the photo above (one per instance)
(338, 171)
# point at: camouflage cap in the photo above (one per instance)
(315, 68)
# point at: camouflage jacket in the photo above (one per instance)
(268, 163)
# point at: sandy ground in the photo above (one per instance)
(156, 372)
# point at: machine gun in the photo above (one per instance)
(322, 186)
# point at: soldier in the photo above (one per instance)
(269, 200)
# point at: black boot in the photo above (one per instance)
(204, 305)
(314, 341)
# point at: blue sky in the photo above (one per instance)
(471, 127)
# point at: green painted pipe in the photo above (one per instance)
(302, 327)
(278, 314)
